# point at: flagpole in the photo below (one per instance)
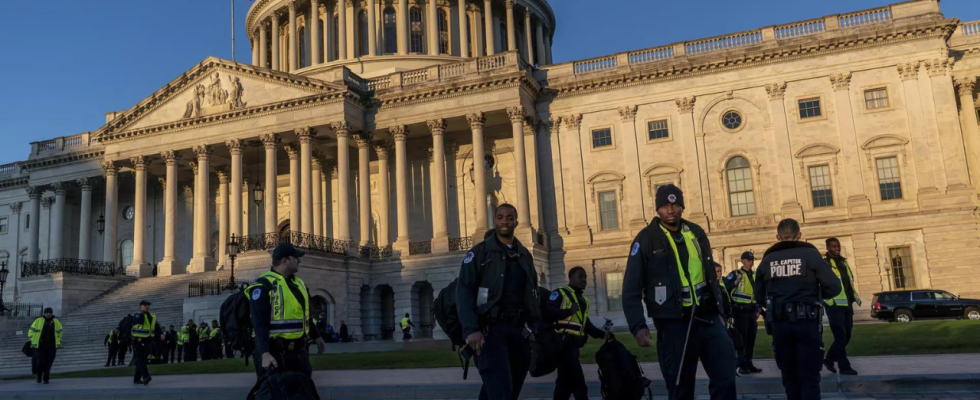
(232, 30)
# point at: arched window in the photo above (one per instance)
(303, 47)
(362, 22)
(391, 30)
(126, 252)
(336, 38)
(740, 194)
(415, 19)
(443, 31)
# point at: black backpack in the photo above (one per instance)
(286, 385)
(446, 315)
(236, 323)
(620, 375)
(545, 343)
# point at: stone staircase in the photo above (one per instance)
(86, 326)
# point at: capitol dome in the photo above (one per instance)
(376, 37)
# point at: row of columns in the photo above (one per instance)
(57, 206)
(537, 46)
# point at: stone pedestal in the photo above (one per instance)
(66, 292)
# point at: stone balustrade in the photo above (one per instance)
(62, 145)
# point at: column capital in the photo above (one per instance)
(399, 133)
(270, 140)
(938, 66)
(908, 71)
(322, 10)
(222, 174)
(965, 86)
(15, 207)
(234, 146)
(685, 105)
(363, 139)
(530, 123)
(193, 165)
(59, 188)
(554, 123)
(382, 148)
(203, 152)
(437, 126)
(516, 114)
(291, 6)
(170, 157)
(163, 183)
(776, 91)
(317, 162)
(85, 183)
(139, 163)
(46, 202)
(305, 134)
(841, 81)
(342, 128)
(476, 120)
(110, 168)
(188, 190)
(292, 151)
(33, 192)
(573, 121)
(628, 113)
(510, 4)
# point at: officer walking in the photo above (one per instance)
(45, 335)
(790, 282)
(407, 327)
(568, 309)
(143, 327)
(112, 341)
(840, 310)
(670, 270)
(496, 297)
(745, 312)
(280, 306)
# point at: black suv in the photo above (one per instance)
(906, 305)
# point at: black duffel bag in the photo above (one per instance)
(27, 350)
(283, 385)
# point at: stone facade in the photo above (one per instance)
(863, 126)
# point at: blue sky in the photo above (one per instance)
(66, 63)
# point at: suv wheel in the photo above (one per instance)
(972, 313)
(903, 316)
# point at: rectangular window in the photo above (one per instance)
(608, 214)
(27, 221)
(875, 98)
(889, 182)
(3, 225)
(601, 138)
(614, 291)
(820, 189)
(658, 129)
(740, 193)
(809, 108)
(903, 275)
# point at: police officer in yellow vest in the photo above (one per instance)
(182, 339)
(281, 316)
(745, 311)
(215, 339)
(407, 326)
(143, 329)
(840, 311)
(203, 343)
(670, 270)
(45, 335)
(568, 309)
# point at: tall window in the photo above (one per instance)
(503, 37)
(608, 214)
(740, 193)
(889, 182)
(126, 252)
(443, 31)
(336, 38)
(302, 50)
(601, 138)
(614, 291)
(415, 19)
(3, 225)
(658, 129)
(820, 189)
(903, 275)
(391, 30)
(810, 108)
(362, 21)
(27, 221)
(875, 98)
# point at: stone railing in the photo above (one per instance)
(865, 17)
(971, 28)
(420, 247)
(62, 144)
(312, 243)
(9, 170)
(379, 83)
(451, 70)
(70, 266)
(491, 62)
(650, 55)
(213, 287)
(411, 78)
(438, 73)
(9, 309)
(798, 29)
(595, 64)
(461, 244)
(723, 42)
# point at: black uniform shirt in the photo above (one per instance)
(794, 272)
(512, 299)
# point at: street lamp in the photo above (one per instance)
(258, 194)
(101, 224)
(3, 282)
(232, 253)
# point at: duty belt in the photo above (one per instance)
(798, 311)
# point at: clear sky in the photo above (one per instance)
(66, 63)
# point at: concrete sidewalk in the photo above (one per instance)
(885, 374)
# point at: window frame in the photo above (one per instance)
(607, 181)
(888, 97)
(606, 281)
(670, 129)
(891, 271)
(412, 33)
(817, 154)
(901, 180)
(363, 34)
(390, 38)
(612, 138)
(721, 120)
(5, 224)
(727, 186)
(615, 200)
(830, 178)
(448, 20)
(820, 104)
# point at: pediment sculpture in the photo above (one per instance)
(214, 98)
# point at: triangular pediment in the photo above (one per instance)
(215, 87)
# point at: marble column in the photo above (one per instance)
(529, 37)
(263, 46)
(432, 27)
(511, 27)
(139, 265)
(275, 41)
(235, 211)
(202, 260)
(270, 142)
(631, 162)
(306, 178)
(169, 265)
(401, 14)
(110, 248)
(857, 201)
(464, 34)
(476, 29)
(786, 194)
(372, 12)
(222, 204)
(950, 131)
(295, 199)
(314, 32)
(479, 175)
(342, 28)
(547, 50)
(34, 229)
(488, 23)
(440, 224)
(400, 134)
(539, 35)
(363, 142)
(342, 130)
(85, 220)
(971, 129)
(383, 194)
(517, 116)
(327, 33)
(317, 190)
(697, 205)
(921, 139)
(293, 46)
(57, 233)
(255, 50)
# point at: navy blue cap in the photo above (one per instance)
(748, 255)
(285, 250)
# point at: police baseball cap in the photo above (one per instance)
(144, 303)
(285, 250)
(748, 255)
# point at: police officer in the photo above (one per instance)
(190, 342)
(45, 335)
(407, 327)
(840, 310)
(745, 312)
(112, 341)
(791, 279)
(182, 338)
(203, 342)
(170, 351)
(670, 270)
(143, 327)
(280, 304)
(215, 341)
(496, 296)
(568, 309)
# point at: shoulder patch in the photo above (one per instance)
(469, 258)
(554, 296)
(256, 293)
(635, 249)
(730, 276)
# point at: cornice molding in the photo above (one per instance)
(40, 163)
(392, 99)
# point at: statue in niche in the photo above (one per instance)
(194, 106)
(236, 94)
(216, 95)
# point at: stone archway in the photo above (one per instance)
(370, 311)
(386, 295)
(423, 303)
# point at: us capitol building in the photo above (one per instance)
(381, 134)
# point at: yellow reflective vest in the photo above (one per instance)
(35, 332)
(841, 298)
(743, 293)
(183, 336)
(696, 283)
(289, 316)
(405, 323)
(574, 324)
(215, 333)
(146, 330)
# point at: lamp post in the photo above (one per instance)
(3, 282)
(232, 253)
(101, 224)
(258, 194)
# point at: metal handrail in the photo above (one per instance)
(70, 266)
